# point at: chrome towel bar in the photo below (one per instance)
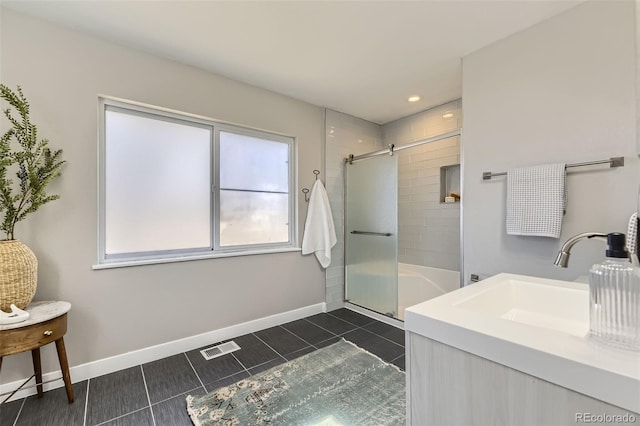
(613, 162)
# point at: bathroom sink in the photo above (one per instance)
(558, 306)
(507, 302)
(534, 325)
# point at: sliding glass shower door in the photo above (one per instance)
(371, 222)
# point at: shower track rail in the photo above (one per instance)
(393, 148)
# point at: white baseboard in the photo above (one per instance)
(100, 367)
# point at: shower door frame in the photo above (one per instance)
(378, 284)
(390, 151)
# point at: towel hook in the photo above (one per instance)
(305, 191)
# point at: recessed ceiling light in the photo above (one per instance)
(414, 98)
(447, 115)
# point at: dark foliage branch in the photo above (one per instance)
(35, 163)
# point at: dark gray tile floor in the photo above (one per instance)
(154, 393)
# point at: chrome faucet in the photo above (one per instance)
(562, 260)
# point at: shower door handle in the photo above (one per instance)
(378, 234)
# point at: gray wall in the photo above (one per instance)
(119, 310)
(428, 230)
(561, 91)
(638, 78)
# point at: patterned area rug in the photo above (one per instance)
(338, 385)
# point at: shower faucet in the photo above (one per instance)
(562, 260)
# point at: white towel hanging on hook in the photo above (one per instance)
(319, 230)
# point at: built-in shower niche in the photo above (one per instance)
(450, 183)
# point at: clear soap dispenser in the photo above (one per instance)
(615, 297)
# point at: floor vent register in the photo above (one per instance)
(219, 350)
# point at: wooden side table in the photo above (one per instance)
(47, 323)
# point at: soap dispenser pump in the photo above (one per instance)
(614, 286)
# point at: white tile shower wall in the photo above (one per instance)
(424, 124)
(428, 230)
(344, 135)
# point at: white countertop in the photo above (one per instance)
(40, 312)
(559, 351)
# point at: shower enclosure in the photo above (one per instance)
(371, 234)
(386, 270)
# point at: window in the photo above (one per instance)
(254, 190)
(174, 185)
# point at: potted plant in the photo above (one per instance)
(35, 166)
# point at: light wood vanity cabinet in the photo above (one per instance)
(447, 386)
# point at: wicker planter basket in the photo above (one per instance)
(18, 274)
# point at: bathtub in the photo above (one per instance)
(419, 283)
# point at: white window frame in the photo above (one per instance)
(215, 250)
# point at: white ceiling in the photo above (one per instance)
(363, 58)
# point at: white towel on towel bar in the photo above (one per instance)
(319, 230)
(633, 239)
(536, 200)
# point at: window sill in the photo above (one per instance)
(186, 258)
